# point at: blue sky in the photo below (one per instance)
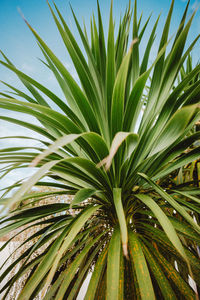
(18, 43)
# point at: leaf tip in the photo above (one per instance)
(125, 250)
(136, 40)
(22, 15)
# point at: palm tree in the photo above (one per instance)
(116, 143)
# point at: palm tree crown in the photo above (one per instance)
(122, 143)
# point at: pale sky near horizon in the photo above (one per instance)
(18, 43)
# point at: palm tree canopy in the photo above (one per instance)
(122, 143)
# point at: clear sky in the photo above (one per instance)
(18, 43)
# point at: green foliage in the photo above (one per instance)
(123, 143)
